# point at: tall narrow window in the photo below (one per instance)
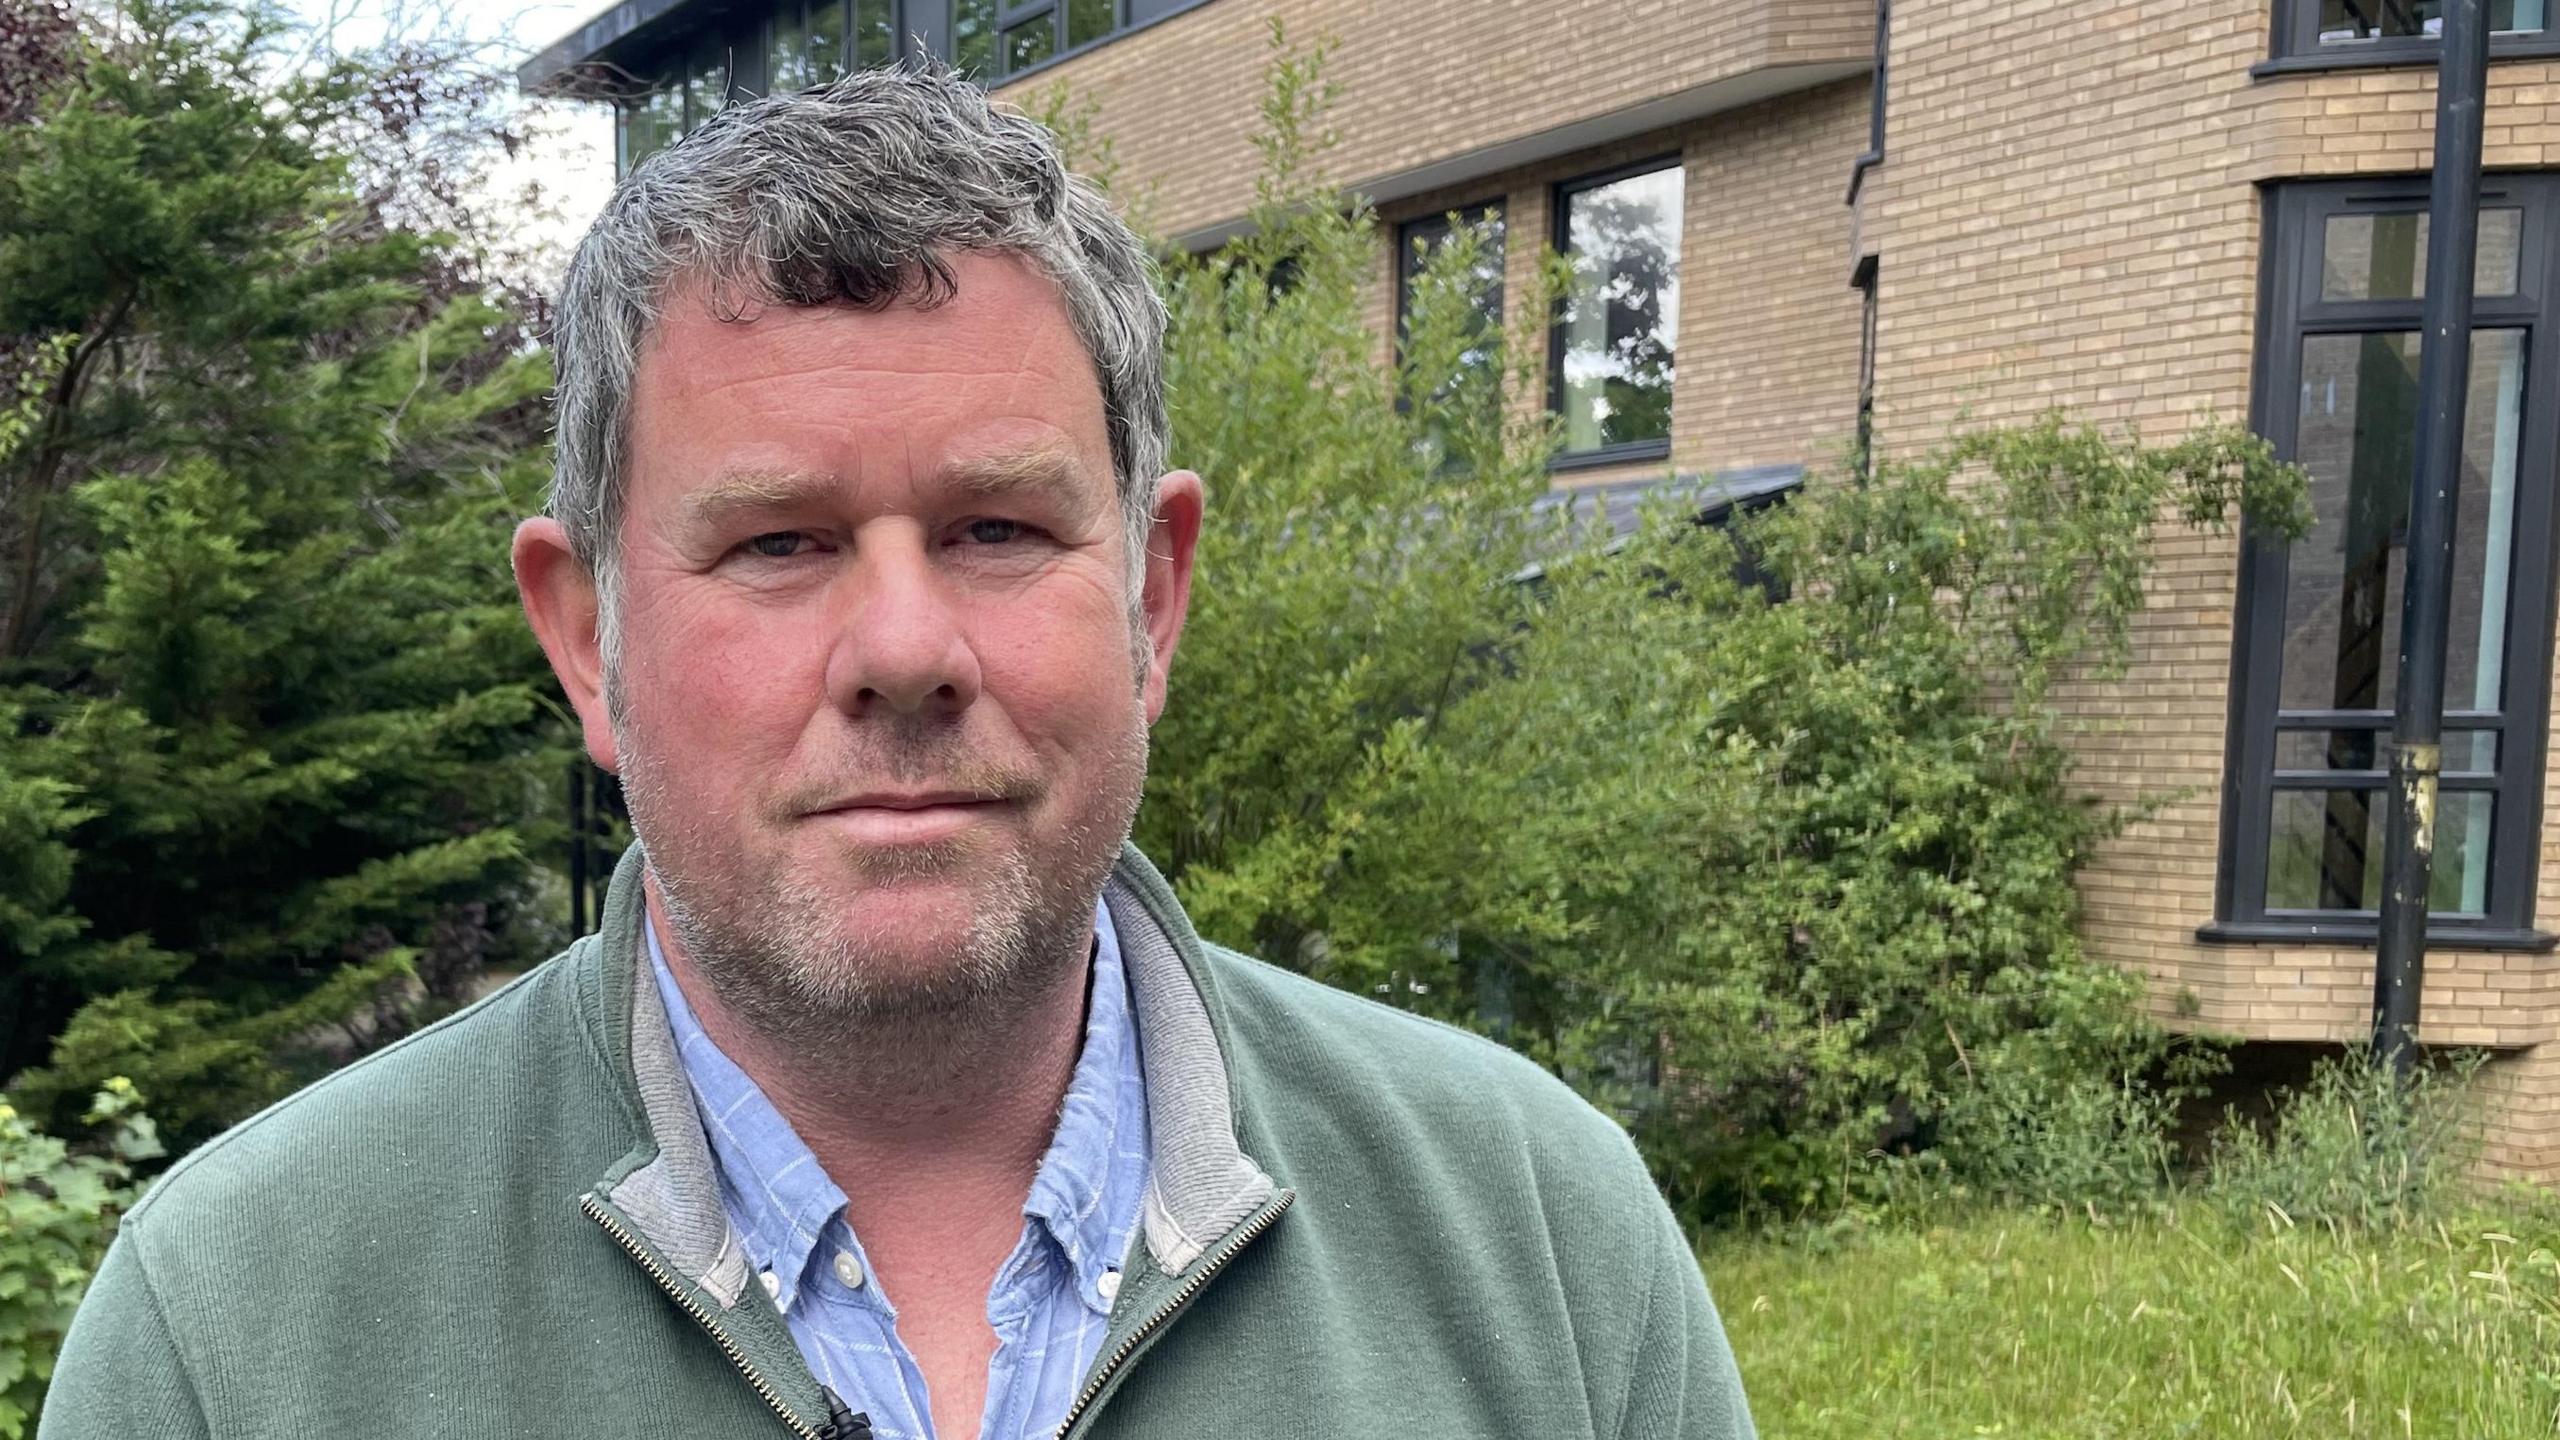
(1610, 370)
(1864, 279)
(706, 80)
(2319, 638)
(1471, 380)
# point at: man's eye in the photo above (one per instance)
(778, 544)
(994, 532)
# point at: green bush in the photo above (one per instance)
(58, 1209)
(1778, 882)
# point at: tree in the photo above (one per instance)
(274, 743)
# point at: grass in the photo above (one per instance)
(2017, 1325)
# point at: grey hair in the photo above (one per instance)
(855, 193)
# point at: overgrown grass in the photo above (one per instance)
(2015, 1324)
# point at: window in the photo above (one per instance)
(1863, 279)
(875, 33)
(1610, 365)
(2324, 34)
(805, 45)
(973, 38)
(1417, 241)
(994, 40)
(706, 80)
(648, 124)
(814, 43)
(2318, 640)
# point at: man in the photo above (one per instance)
(896, 1095)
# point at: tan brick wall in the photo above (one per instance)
(2069, 215)
(1422, 81)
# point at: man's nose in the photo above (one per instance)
(899, 641)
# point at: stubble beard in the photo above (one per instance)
(787, 957)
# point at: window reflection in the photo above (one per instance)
(1622, 319)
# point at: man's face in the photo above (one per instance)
(878, 715)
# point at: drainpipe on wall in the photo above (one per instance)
(2444, 383)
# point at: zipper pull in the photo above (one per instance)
(843, 1421)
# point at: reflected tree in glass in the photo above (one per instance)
(1621, 317)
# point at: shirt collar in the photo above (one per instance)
(1086, 1193)
(1084, 1196)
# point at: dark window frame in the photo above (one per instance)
(1559, 236)
(2294, 221)
(2293, 45)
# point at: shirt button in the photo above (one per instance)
(848, 1270)
(1109, 1285)
(772, 1286)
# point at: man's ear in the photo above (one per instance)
(1172, 537)
(560, 602)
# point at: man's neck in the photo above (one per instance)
(963, 1108)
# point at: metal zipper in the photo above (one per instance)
(1200, 1277)
(595, 1211)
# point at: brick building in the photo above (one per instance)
(1837, 213)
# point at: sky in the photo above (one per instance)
(571, 149)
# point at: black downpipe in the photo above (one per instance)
(2444, 383)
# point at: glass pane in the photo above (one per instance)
(2356, 433)
(2384, 257)
(1088, 20)
(2465, 751)
(2471, 752)
(875, 34)
(2329, 750)
(2349, 22)
(826, 40)
(1029, 43)
(973, 37)
(2325, 851)
(788, 62)
(706, 81)
(652, 124)
(628, 119)
(1623, 317)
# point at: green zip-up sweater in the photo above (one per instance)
(1356, 1223)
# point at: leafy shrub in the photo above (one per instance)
(58, 1209)
(1777, 881)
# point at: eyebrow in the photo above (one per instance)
(750, 491)
(1046, 471)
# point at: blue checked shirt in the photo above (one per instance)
(1052, 1294)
